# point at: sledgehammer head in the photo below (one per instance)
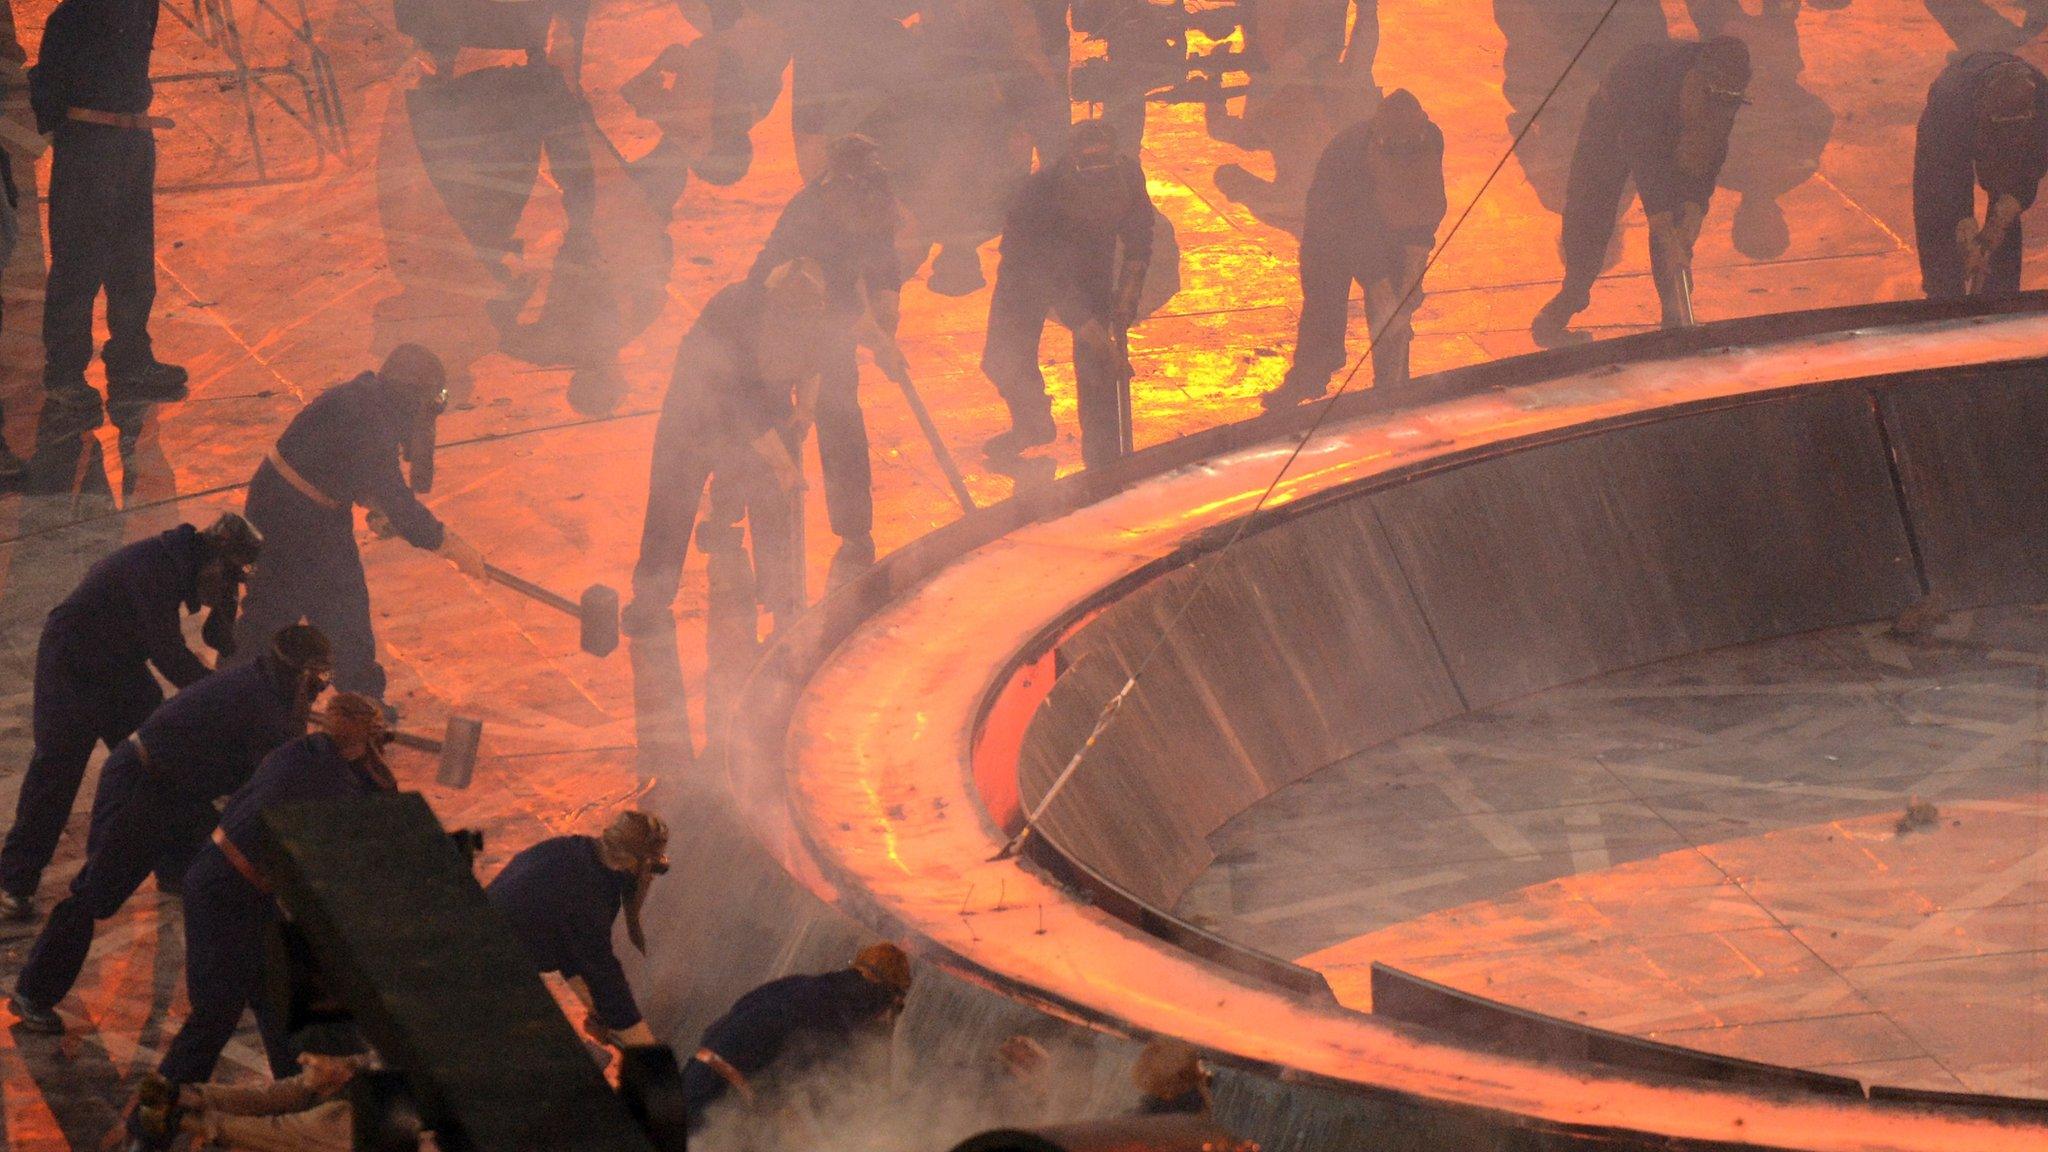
(458, 751)
(599, 614)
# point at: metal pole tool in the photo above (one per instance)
(931, 434)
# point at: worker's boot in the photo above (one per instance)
(1297, 387)
(33, 1017)
(1548, 329)
(153, 1117)
(13, 469)
(1028, 429)
(145, 378)
(70, 408)
(646, 617)
(156, 1108)
(856, 555)
(596, 390)
(956, 271)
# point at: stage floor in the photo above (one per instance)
(1706, 852)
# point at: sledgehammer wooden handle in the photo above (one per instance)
(529, 588)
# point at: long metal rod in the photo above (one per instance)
(938, 443)
(1201, 580)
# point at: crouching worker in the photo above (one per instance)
(93, 682)
(155, 805)
(562, 895)
(789, 1026)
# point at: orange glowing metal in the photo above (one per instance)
(899, 702)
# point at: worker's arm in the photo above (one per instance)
(154, 605)
(597, 968)
(1437, 201)
(389, 494)
(57, 60)
(806, 406)
(769, 446)
(1134, 242)
(637, 1036)
(786, 240)
(877, 333)
(1641, 95)
(1944, 171)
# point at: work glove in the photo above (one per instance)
(1975, 254)
(1095, 334)
(1130, 286)
(1414, 264)
(1690, 219)
(775, 454)
(1978, 244)
(461, 553)
(890, 359)
(1668, 238)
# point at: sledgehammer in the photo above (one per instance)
(456, 748)
(598, 612)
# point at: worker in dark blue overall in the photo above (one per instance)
(155, 805)
(745, 386)
(1985, 126)
(1662, 118)
(90, 92)
(228, 905)
(561, 896)
(845, 220)
(787, 1026)
(342, 450)
(93, 682)
(1373, 210)
(1076, 244)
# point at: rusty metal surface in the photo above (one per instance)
(879, 774)
(1547, 566)
(1970, 468)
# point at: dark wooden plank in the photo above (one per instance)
(436, 980)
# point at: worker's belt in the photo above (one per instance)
(726, 1072)
(239, 862)
(305, 486)
(137, 121)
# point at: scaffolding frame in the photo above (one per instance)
(319, 112)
